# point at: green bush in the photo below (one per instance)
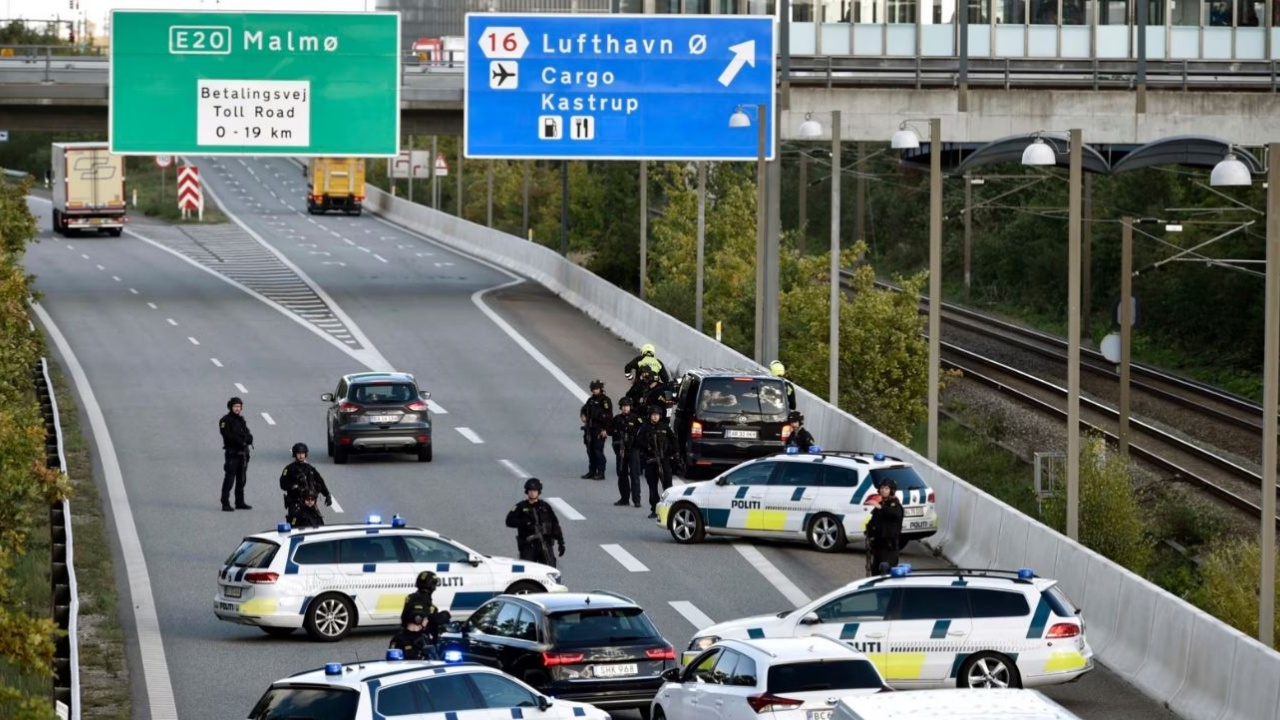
(1111, 519)
(1229, 587)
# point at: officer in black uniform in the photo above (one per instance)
(884, 529)
(299, 477)
(236, 443)
(305, 514)
(537, 526)
(623, 429)
(421, 606)
(646, 361)
(658, 394)
(657, 444)
(799, 437)
(414, 641)
(595, 415)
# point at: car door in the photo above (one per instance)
(490, 638)
(737, 497)
(735, 675)
(450, 695)
(332, 411)
(464, 586)
(475, 642)
(838, 497)
(693, 698)
(859, 619)
(378, 576)
(927, 631)
(791, 492)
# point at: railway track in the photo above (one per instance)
(1218, 415)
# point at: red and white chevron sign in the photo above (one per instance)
(189, 195)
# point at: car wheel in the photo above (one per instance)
(424, 453)
(278, 632)
(524, 587)
(329, 442)
(330, 618)
(988, 670)
(826, 534)
(115, 232)
(658, 714)
(644, 712)
(340, 455)
(686, 524)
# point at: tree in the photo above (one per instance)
(1229, 590)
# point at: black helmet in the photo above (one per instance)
(795, 416)
(893, 486)
(597, 384)
(533, 484)
(300, 448)
(308, 494)
(624, 401)
(427, 581)
(234, 401)
(656, 409)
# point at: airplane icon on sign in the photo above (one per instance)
(500, 72)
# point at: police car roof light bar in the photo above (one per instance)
(815, 450)
(283, 527)
(878, 456)
(452, 656)
(793, 450)
(397, 521)
(375, 520)
(333, 668)
(1015, 575)
(395, 654)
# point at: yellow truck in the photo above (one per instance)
(335, 184)
(88, 188)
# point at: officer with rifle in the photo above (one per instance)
(537, 526)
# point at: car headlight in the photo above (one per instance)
(702, 643)
(553, 578)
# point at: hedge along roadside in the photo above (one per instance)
(974, 523)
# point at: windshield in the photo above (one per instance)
(821, 676)
(742, 396)
(253, 554)
(306, 703)
(607, 626)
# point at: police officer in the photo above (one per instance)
(657, 395)
(237, 441)
(299, 477)
(646, 361)
(657, 445)
(778, 370)
(884, 529)
(596, 413)
(799, 437)
(305, 514)
(420, 607)
(414, 641)
(623, 429)
(537, 526)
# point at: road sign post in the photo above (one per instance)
(619, 87)
(229, 83)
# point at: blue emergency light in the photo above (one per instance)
(395, 654)
(1026, 573)
(793, 450)
(333, 668)
(900, 570)
(283, 527)
(397, 521)
(375, 519)
(878, 457)
(452, 656)
(814, 449)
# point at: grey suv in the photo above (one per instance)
(378, 412)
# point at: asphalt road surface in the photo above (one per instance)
(165, 339)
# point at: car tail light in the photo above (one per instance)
(1064, 630)
(786, 432)
(662, 653)
(769, 702)
(261, 578)
(930, 497)
(347, 407)
(417, 406)
(872, 499)
(551, 659)
(695, 431)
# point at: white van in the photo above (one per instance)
(967, 704)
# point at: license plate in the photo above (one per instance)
(229, 607)
(914, 511)
(819, 715)
(615, 670)
(231, 592)
(741, 434)
(383, 419)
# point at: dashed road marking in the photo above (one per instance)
(216, 362)
(435, 408)
(116, 278)
(514, 468)
(193, 340)
(379, 257)
(171, 321)
(131, 290)
(101, 268)
(469, 434)
(267, 417)
(624, 558)
(153, 306)
(696, 617)
(241, 388)
(565, 508)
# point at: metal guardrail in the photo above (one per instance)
(66, 596)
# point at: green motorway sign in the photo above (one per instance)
(229, 83)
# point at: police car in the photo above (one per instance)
(331, 579)
(825, 498)
(427, 690)
(940, 628)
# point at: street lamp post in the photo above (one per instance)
(810, 128)
(740, 119)
(702, 240)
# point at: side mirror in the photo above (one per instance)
(424, 395)
(327, 397)
(722, 481)
(544, 702)
(671, 675)
(474, 560)
(810, 619)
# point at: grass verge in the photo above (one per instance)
(160, 200)
(33, 591)
(991, 468)
(104, 677)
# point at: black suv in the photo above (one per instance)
(723, 417)
(380, 412)
(596, 647)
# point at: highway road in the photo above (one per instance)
(165, 336)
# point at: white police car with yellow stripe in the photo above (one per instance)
(333, 578)
(425, 690)
(825, 498)
(940, 628)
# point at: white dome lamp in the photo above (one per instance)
(810, 128)
(1230, 172)
(739, 119)
(905, 139)
(1039, 153)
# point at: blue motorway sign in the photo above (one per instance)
(617, 87)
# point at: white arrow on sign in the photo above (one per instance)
(744, 53)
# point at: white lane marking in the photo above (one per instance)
(435, 408)
(131, 290)
(793, 594)
(155, 668)
(69, 247)
(86, 257)
(267, 417)
(171, 321)
(216, 362)
(242, 389)
(515, 469)
(153, 306)
(469, 434)
(379, 257)
(193, 340)
(335, 234)
(696, 617)
(116, 278)
(338, 508)
(349, 242)
(626, 559)
(101, 268)
(565, 508)
(365, 249)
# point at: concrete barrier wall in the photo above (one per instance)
(1172, 651)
